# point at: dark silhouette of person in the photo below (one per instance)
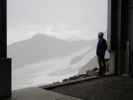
(100, 52)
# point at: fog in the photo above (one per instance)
(65, 19)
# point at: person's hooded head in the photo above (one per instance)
(100, 35)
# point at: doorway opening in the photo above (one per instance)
(52, 40)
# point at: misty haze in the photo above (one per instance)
(50, 40)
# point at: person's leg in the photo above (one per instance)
(100, 65)
(103, 65)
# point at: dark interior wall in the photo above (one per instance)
(123, 41)
(3, 29)
(5, 63)
(119, 35)
(115, 34)
(121, 29)
(130, 33)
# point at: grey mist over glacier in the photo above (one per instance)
(64, 19)
(49, 40)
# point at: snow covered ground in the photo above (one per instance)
(46, 72)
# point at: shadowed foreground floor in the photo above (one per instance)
(107, 88)
(38, 94)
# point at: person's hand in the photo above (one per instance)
(109, 50)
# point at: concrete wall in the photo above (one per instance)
(5, 64)
(114, 32)
(109, 33)
(130, 33)
(121, 32)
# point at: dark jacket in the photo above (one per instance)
(101, 47)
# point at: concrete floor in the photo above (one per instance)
(106, 88)
(38, 94)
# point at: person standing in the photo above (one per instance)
(100, 52)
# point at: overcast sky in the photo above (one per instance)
(65, 19)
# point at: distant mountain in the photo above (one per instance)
(42, 47)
